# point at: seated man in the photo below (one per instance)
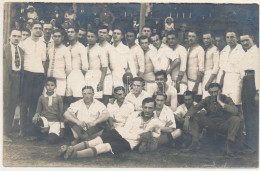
(48, 116)
(86, 116)
(170, 91)
(181, 111)
(222, 116)
(137, 95)
(120, 139)
(167, 120)
(119, 110)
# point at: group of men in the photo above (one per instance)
(146, 77)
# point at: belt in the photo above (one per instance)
(249, 72)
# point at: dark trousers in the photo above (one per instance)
(33, 84)
(11, 100)
(229, 126)
(249, 107)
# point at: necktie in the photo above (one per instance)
(17, 58)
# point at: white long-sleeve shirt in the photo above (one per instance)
(164, 55)
(138, 56)
(135, 126)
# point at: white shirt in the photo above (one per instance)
(80, 110)
(212, 60)
(34, 55)
(136, 101)
(135, 126)
(182, 110)
(171, 92)
(14, 68)
(166, 116)
(124, 58)
(164, 55)
(151, 65)
(120, 114)
(60, 61)
(79, 59)
(195, 62)
(110, 52)
(181, 53)
(251, 62)
(138, 56)
(97, 58)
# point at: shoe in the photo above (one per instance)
(7, 139)
(195, 146)
(70, 153)
(62, 150)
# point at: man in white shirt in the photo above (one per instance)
(120, 109)
(164, 54)
(98, 64)
(168, 90)
(59, 62)
(82, 36)
(137, 95)
(211, 63)
(121, 139)
(124, 61)
(167, 120)
(79, 63)
(195, 65)
(177, 68)
(136, 51)
(250, 87)
(151, 64)
(110, 52)
(34, 79)
(86, 116)
(230, 76)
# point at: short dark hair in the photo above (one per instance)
(83, 29)
(94, 31)
(147, 26)
(36, 22)
(159, 93)
(188, 93)
(73, 27)
(155, 34)
(193, 31)
(119, 28)
(138, 79)
(27, 30)
(131, 31)
(103, 27)
(211, 85)
(143, 38)
(161, 72)
(51, 79)
(230, 30)
(244, 33)
(58, 30)
(87, 87)
(148, 100)
(207, 32)
(119, 88)
(172, 32)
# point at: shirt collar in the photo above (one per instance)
(45, 95)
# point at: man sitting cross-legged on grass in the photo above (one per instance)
(87, 117)
(48, 117)
(167, 120)
(139, 125)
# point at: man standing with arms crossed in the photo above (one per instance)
(34, 79)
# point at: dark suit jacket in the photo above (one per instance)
(7, 68)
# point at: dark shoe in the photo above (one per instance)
(195, 146)
(62, 150)
(70, 153)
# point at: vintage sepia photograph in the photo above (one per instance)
(130, 84)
